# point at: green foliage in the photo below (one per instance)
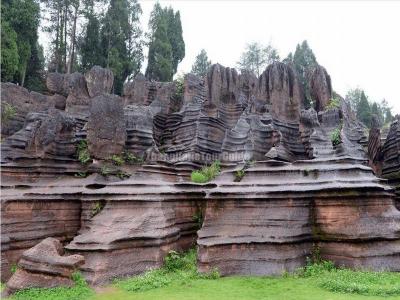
(83, 152)
(207, 173)
(90, 49)
(365, 108)
(179, 87)
(333, 103)
(201, 64)
(105, 171)
(98, 207)
(8, 111)
(336, 138)
(256, 57)
(120, 40)
(166, 46)
(178, 269)
(304, 62)
(81, 174)
(117, 160)
(13, 268)
(198, 177)
(123, 175)
(239, 174)
(9, 52)
(20, 22)
(348, 281)
(198, 218)
(131, 159)
(80, 291)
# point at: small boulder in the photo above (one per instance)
(43, 266)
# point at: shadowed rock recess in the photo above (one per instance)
(293, 181)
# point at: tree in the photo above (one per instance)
(20, 22)
(166, 45)
(9, 52)
(304, 62)
(256, 57)
(160, 66)
(364, 110)
(89, 48)
(201, 64)
(120, 40)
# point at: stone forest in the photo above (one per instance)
(107, 184)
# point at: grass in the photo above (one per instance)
(206, 173)
(179, 279)
(80, 291)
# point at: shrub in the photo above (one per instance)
(123, 175)
(98, 207)
(117, 160)
(198, 177)
(206, 173)
(8, 111)
(333, 103)
(83, 152)
(105, 171)
(239, 174)
(130, 158)
(336, 139)
(179, 87)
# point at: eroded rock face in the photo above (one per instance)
(106, 131)
(99, 81)
(320, 87)
(299, 187)
(43, 266)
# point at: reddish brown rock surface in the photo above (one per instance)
(43, 266)
(299, 190)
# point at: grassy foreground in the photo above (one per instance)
(179, 280)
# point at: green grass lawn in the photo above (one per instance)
(179, 279)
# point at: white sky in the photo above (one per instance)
(358, 42)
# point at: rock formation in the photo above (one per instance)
(43, 266)
(305, 182)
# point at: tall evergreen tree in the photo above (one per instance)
(364, 110)
(304, 61)
(90, 48)
(120, 40)
(165, 36)
(201, 64)
(160, 66)
(20, 20)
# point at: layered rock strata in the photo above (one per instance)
(43, 266)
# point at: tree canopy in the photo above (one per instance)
(201, 64)
(257, 57)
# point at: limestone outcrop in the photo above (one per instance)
(43, 266)
(293, 180)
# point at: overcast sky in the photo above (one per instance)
(357, 41)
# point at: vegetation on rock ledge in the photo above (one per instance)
(206, 173)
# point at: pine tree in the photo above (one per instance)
(90, 49)
(364, 110)
(160, 66)
(120, 40)
(166, 46)
(9, 52)
(201, 64)
(304, 62)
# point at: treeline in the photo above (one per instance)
(84, 33)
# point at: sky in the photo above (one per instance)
(358, 42)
